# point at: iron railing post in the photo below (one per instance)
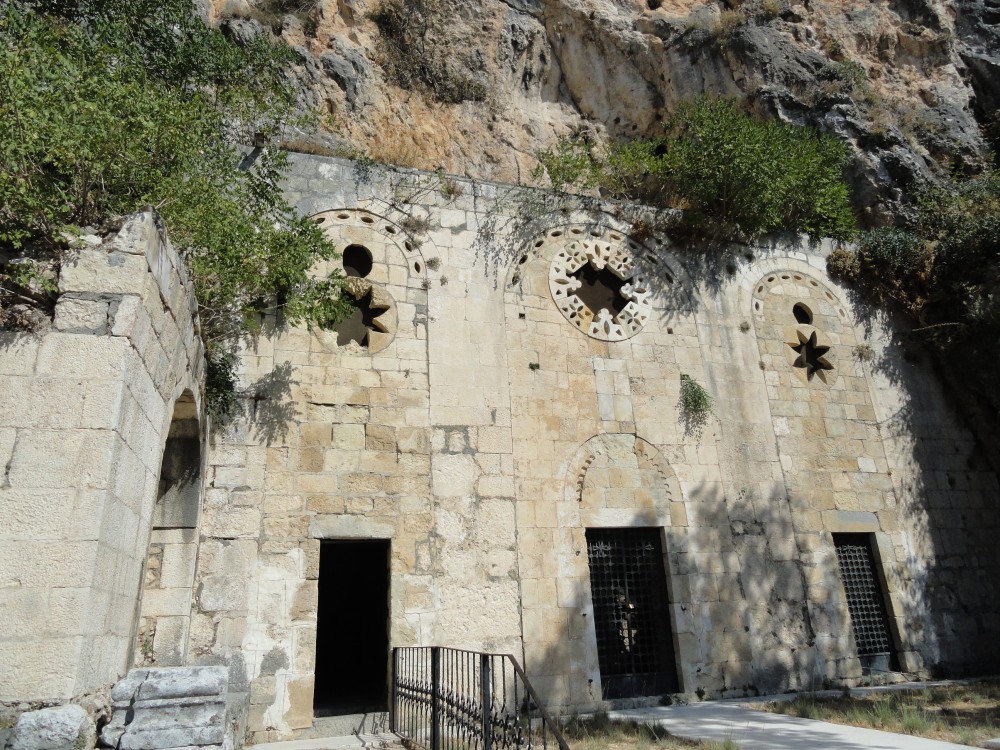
(394, 696)
(486, 698)
(435, 698)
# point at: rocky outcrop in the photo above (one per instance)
(908, 84)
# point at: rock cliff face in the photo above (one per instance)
(911, 85)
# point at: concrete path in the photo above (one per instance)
(382, 741)
(718, 721)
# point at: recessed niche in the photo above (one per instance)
(357, 261)
(600, 289)
(803, 315)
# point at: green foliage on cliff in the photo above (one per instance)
(108, 106)
(944, 267)
(735, 176)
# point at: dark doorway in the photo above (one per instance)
(865, 602)
(352, 628)
(631, 615)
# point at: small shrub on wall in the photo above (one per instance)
(695, 405)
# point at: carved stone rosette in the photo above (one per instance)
(609, 251)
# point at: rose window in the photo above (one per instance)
(595, 285)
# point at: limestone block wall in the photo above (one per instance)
(400, 440)
(493, 421)
(84, 413)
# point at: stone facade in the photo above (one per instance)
(509, 390)
(84, 413)
(487, 426)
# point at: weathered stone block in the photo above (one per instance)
(171, 739)
(184, 682)
(60, 728)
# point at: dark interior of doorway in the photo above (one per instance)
(352, 628)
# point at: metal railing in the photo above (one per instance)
(449, 699)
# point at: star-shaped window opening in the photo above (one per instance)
(811, 356)
(359, 324)
(600, 289)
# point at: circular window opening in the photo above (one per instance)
(357, 261)
(802, 314)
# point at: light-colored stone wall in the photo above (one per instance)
(337, 443)
(84, 412)
(489, 423)
(487, 428)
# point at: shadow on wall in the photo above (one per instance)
(268, 406)
(735, 619)
(179, 491)
(947, 491)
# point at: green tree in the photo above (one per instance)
(108, 106)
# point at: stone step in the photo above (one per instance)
(383, 741)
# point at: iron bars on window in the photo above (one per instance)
(449, 699)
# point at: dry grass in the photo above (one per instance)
(965, 714)
(601, 733)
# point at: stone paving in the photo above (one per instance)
(717, 721)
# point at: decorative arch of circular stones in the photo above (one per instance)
(807, 314)
(636, 463)
(395, 262)
(612, 255)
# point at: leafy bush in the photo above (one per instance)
(843, 264)
(944, 270)
(110, 106)
(695, 405)
(736, 177)
(417, 52)
(850, 72)
(945, 267)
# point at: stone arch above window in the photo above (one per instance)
(595, 282)
(810, 321)
(381, 265)
(178, 496)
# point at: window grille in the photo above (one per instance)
(631, 613)
(865, 602)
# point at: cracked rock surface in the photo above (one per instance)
(909, 85)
